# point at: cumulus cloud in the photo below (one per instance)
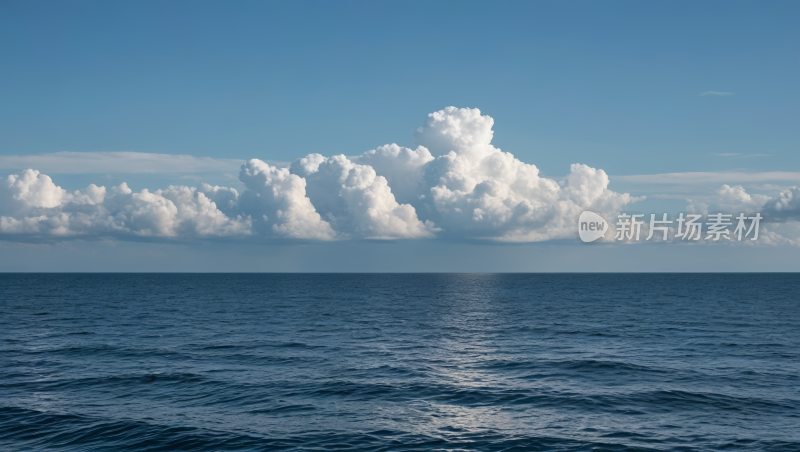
(34, 205)
(472, 189)
(402, 167)
(454, 183)
(785, 206)
(280, 199)
(737, 199)
(359, 201)
(34, 189)
(779, 213)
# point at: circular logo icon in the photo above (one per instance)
(591, 226)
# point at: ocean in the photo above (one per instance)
(397, 362)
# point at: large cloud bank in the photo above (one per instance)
(453, 184)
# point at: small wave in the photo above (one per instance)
(26, 430)
(583, 365)
(22, 430)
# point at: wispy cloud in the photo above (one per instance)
(702, 178)
(740, 156)
(716, 93)
(119, 163)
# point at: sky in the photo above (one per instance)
(409, 116)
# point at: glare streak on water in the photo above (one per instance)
(400, 362)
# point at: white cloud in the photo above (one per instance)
(472, 189)
(696, 207)
(716, 93)
(279, 201)
(402, 167)
(35, 189)
(33, 204)
(358, 201)
(455, 183)
(736, 199)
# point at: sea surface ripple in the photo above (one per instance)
(386, 362)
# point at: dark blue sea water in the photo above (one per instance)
(606, 362)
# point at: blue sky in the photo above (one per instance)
(632, 88)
